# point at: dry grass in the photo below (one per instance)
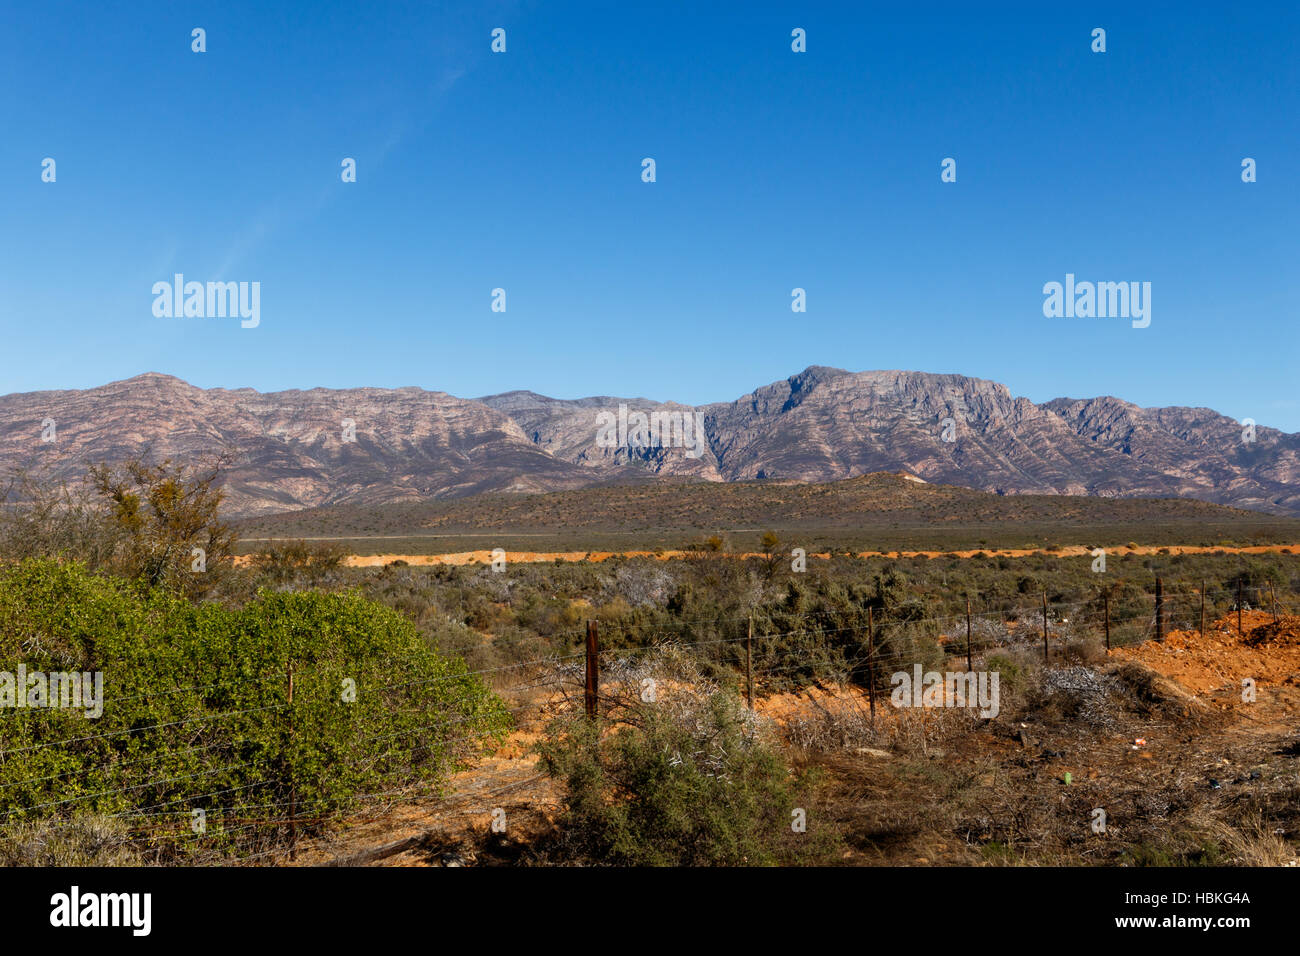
(84, 841)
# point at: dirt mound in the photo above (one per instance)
(1284, 632)
(824, 700)
(1148, 692)
(1219, 661)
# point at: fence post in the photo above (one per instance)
(749, 673)
(1044, 627)
(1272, 597)
(1160, 611)
(593, 677)
(871, 662)
(293, 784)
(1202, 608)
(968, 663)
(1240, 632)
(1106, 598)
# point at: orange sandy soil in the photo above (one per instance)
(1214, 667)
(537, 557)
(1141, 763)
(1267, 653)
(783, 708)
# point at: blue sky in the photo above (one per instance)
(775, 170)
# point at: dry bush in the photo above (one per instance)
(296, 560)
(833, 730)
(1085, 649)
(140, 521)
(1253, 842)
(42, 516)
(90, 840)
(1076, 695)
(168, 518)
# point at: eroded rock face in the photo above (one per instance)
(825, 424)
(291, 448)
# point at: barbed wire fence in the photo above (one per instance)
(595, 681)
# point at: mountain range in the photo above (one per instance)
(306, 448)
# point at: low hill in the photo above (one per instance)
(872, 511)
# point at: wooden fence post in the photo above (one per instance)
(293, 784)
(1106, 598)
(749, 673)
(871, 662)
(1240, 632)
(1272, 597)
(1160, 611)
(968, 663)
(593, 673)
(1202, 608)
(1044, 627)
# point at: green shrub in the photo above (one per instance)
(195, 701)
(1011, 675)
(693, 787)
(281, 562)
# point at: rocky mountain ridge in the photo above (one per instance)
(305, 448)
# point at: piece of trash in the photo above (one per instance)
(1068, 778)
(1214, 784)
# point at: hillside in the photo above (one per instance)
(872, 510)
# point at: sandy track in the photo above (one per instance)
(541, 557)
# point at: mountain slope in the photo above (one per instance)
(821, 425)
(826, 424)
(288, 447)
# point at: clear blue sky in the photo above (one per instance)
(775, 170)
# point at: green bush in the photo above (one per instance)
(284, 561)
(678, 788)
(1011, 675)
(196, 712)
